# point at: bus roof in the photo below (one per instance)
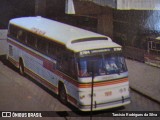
(73, 38)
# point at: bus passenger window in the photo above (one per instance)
(42, 45)
(59, 52)
(63, 62)
(72, 68)
(13, 31)
(52, 50)
(31, 40)
(21, 36)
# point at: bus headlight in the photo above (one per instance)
(82, 96)
(122, 90)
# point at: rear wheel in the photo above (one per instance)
(62, 94)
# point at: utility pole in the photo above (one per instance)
(92, 86)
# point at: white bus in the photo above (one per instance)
(60, 57)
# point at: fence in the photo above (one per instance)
(134, 53)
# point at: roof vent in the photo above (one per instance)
(89, 39)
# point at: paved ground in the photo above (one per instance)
(11, 82)
(17, 93)
(144, 79)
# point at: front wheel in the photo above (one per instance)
(62, 94)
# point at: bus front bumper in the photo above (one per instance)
(103, 106)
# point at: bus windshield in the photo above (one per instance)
(104, 64)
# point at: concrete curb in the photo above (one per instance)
(145, 95)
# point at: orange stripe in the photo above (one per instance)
(106, 83)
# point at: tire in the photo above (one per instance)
(62, 94)
(21, 67)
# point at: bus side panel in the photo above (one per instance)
(72, 90)
(34, 66)
(32, 62)
(13, 54)
(38, 67)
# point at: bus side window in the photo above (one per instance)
(72, 67)
(31, 40)
(66, 64)
(42, 45)
(59, 52)
(52, 50)
(21, 36)
(13, 31)
(62, 61)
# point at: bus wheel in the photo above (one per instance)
(62, 94)
(21, 67)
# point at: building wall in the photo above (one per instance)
(105, 22)
(40, 8)
(132, 28)
(138, 4)
(55, 8)
(15, 8)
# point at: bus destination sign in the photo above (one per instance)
(89, 52)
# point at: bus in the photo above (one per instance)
(61, 57)
(152, 57)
